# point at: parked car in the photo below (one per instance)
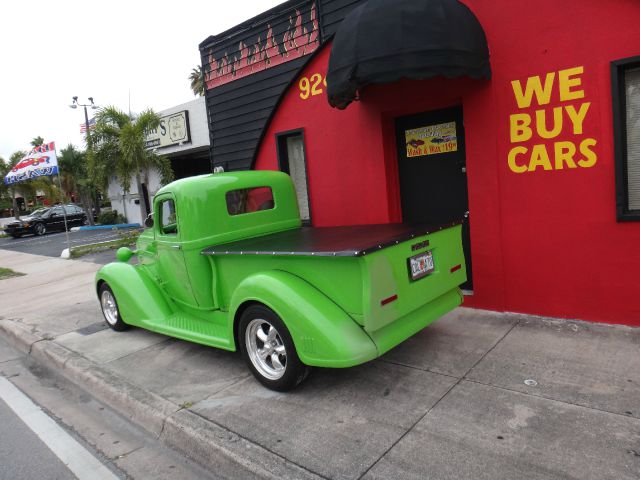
(225, 262)
(47, 219)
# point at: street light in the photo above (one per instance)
(93, 106)
(76, 104)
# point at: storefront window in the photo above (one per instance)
(291, 157)
(626, 106)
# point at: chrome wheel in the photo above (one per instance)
(265, 349)
(109, 307)
(40, 229)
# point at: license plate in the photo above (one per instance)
(421, 265)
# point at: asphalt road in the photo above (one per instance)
(23, 454)
(52, 244)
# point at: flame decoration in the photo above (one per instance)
(297, 39)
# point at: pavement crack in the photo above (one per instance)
(31, 346)
(491, 349)
(164, 422)
(410, 428)
(9, 360)
(284, 459)
(122, 455)
(564, 402)
(422, 369)
(459, 379)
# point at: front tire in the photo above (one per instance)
(268, 349)
(40, 229)
(110, 309)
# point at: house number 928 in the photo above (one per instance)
(311, 86)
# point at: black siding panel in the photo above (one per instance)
(239, 111)
(332, 13)
(236, 137)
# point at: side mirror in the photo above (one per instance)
(148, 222)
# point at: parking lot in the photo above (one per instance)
(52, 244)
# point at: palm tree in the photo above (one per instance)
(4, 189)
(74, 177)
(13, 188)
(197, 81)
(118, 146)
(37, 141)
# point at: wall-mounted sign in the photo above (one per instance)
(431, 140)
(173, 130)
(553, 136)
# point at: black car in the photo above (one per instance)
(46, 220)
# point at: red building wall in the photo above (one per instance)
(544, 240)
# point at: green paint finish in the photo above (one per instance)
(341, 311)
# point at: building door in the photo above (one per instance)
(432, 171)
(292, 160)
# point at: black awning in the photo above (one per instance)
(383, 41)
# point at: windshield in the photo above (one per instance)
(39, 212)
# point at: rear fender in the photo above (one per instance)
(139, 297)
(324, 335)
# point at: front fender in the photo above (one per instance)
(324, 335)
(139, 297)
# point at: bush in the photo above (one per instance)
(111, 217)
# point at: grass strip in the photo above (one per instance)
(8, 273)
(100, 247)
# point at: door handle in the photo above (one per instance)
(176, 247)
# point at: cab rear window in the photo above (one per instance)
(249, 200)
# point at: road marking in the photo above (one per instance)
(77, 459)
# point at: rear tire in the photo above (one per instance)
(110, 309)
(268, 349)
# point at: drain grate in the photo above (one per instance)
(93, 328)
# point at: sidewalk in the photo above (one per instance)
(450, 403)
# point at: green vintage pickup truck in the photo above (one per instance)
(225, 262)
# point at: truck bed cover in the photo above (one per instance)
(350, 241)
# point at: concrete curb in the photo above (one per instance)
(105, 227)
(195, 437)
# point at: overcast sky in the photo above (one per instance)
(52, 51)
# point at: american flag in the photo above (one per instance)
(83, 126)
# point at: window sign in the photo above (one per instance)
(431, 140)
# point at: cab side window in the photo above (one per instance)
(168, 220)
